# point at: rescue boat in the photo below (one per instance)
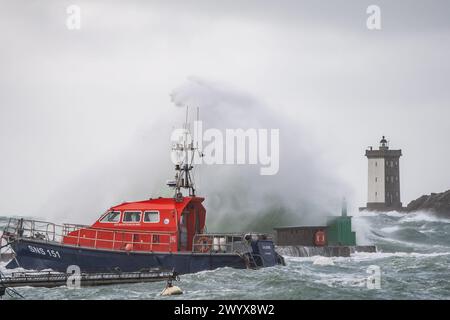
(164, 233)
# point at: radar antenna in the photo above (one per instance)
(183, 167)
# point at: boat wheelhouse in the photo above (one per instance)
(160, 225)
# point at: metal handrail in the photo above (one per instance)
(115, 238)
(234, 242)
(229, 246)
(124, 242)
(47, 231)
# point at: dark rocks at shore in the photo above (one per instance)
(438, 203)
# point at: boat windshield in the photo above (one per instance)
(131, 216)
(113, 216)
(151, 216)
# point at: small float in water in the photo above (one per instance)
(171, 290)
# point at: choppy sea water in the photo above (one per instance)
(413, 259)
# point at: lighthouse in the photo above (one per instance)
(383, 178)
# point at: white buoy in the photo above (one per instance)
(172, 290)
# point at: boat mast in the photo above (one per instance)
(183, 176)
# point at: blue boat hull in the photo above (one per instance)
(40, 255)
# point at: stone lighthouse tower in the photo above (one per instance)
(383, 178)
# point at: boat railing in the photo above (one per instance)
(86, 236)
(34, 229)
(220, 243)
(122, 239)
(226, 242)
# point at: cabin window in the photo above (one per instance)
(131, 216)
(113, 216)
(151, 216)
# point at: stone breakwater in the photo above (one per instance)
(326, 251)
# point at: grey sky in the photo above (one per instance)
(72, 100)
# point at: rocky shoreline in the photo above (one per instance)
(438, 203)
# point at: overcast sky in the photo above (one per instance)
(70, 100)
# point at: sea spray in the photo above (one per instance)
(304, 190)
(238, 197)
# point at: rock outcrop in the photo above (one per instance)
(438, 203)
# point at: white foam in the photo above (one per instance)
(423, 216)
(364, 256)
(395, 214)
(342, 280)
(323, 261)
(302, 259)
(390, 229)
(366, 214)
(363, 230)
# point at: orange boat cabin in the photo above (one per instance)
(160, 225)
